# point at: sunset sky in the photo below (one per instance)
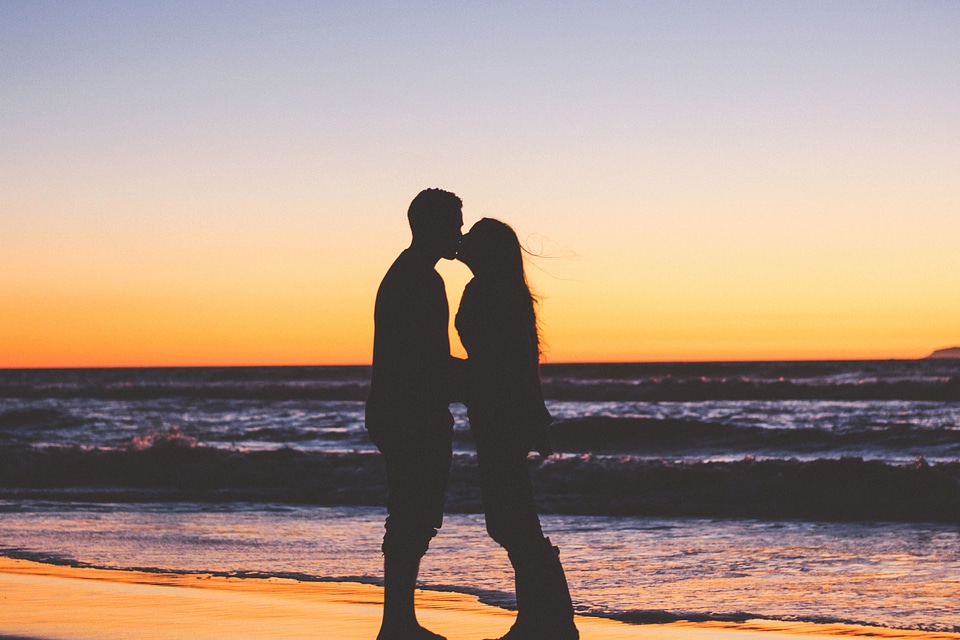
(222, 183)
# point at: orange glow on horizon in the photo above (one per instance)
(275, 323)
(60, 332)
(291, 304)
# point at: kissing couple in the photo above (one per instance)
(408, 417)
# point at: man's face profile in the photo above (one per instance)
(450, 235)
(436, 220)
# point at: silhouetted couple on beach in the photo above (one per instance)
(408, 417)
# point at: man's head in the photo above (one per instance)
(436, 220)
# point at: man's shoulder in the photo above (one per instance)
(409, 282)
(406, 271)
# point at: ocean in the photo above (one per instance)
(814, 491)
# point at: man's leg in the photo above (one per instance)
(399, 614)
(417, 480)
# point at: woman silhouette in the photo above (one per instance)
(497, 324)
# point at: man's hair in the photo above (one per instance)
(430, 207)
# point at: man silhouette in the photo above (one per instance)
(408, 407)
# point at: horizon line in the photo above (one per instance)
(558, 363)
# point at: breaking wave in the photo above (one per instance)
(175, 469)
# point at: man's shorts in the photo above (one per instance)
(418, 471)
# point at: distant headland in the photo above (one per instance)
(951, 352)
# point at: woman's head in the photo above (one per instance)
(491, 249)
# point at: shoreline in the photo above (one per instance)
(53, 602)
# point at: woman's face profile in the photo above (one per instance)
(467, 253)
(487, 247)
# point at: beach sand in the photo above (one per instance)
(40, 601)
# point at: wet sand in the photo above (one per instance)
(39, 601)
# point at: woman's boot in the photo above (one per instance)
(521, 579)
(544, 608)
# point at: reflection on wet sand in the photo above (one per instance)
(66, 603)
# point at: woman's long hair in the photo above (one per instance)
(501, 255)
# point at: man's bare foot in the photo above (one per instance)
(409, 633)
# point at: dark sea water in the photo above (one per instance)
(785, 490)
